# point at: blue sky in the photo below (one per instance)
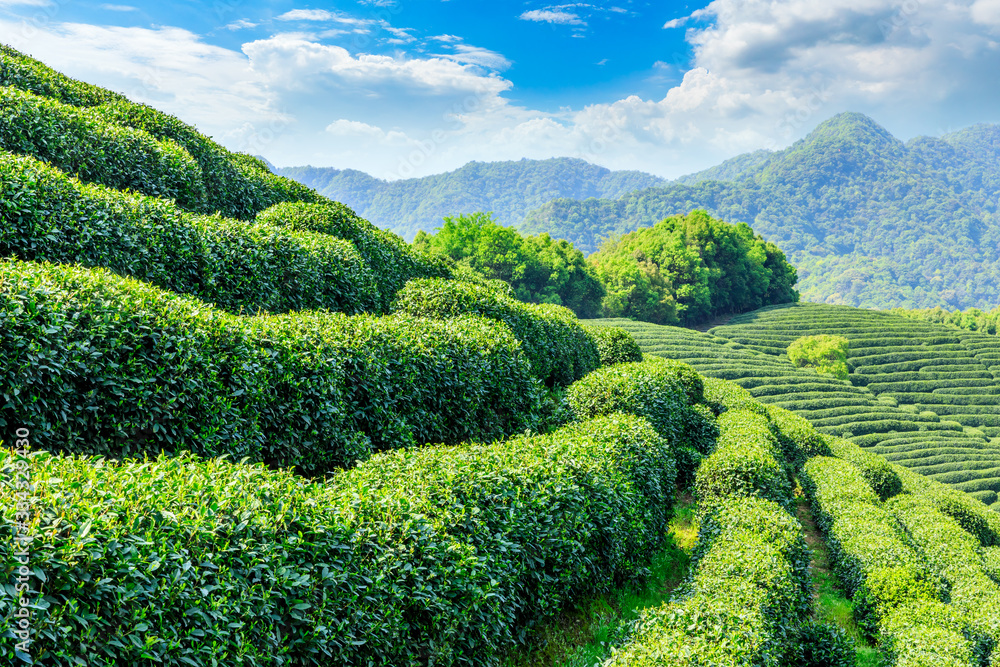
(412, 87)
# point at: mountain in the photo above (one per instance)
(508, 189)
(868, 220)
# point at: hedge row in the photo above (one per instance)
(441, 555)
(81, 144)
(747, 462)
(235, 265)
(614, 345)
(559, 349)
(100, 364)
(876, 470)
(977, 519)
(392, 261)
(235, 185)
(953, 554)
(872, 556)
(665, 393)
(20, 71)
(745, 601)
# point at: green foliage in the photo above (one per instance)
(614, 345)
(722, 396)
(390, 259)
(747, 461)
(798, 439)
(237, 266)
(872, 555)
(559, 349)
(744, 602)
(80, 143)
(826, 353)
(954, 555)
(688, 268)
(538, 269)
(663, 393)
(508, 189)
(875, 469)
(867, 220)
(100, 364)
(825, 645)
(928, 633)
(441, 554)
(234, 185)
(971, 319)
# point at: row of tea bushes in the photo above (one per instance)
(954, 555)
(439, 555)
(558, 347)
(101, 364)
(745, 600)
(896, 597)
(236, 265)
(235, 185)
(392, 261)
(83, 145)
(669, 395)
(749, 595)
(925, 420)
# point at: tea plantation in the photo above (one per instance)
(243, 426)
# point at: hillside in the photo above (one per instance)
(242, 425)
(867, 220)
(508, 189)
(920, 431)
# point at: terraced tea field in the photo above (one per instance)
(931, 417)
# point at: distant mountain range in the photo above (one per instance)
(868, 220)
(508, 189)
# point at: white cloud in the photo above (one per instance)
(356, 129)
(241, 24)
(307, 15)
(26, 3)
(557, 16)
(119, 8)
(475, 55)
(675, 23)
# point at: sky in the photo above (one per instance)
(408, 88)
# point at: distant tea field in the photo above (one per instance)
(925, 396)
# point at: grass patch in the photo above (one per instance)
(831, 603)
(583, 636)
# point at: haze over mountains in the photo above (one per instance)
(868, 220)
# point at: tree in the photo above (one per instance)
(538, 269)
(826, 353)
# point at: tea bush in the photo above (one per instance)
(101, 364)
(559, 349)
(80, 144)
(614, 345)
(237, 266)
(440, 555)
(392, 261)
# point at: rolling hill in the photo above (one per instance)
(868, 220)
(244, 426)
(508, 189)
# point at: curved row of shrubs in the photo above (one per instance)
(101, 364)
(234, 185)
(79, 143)
(392, 261)
(439, 555)
(558, 347)
(897, 595)
(748, 598)
(236, 265)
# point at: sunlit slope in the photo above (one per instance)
(934, 444)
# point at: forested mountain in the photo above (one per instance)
(867, 219)
(508, 189)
